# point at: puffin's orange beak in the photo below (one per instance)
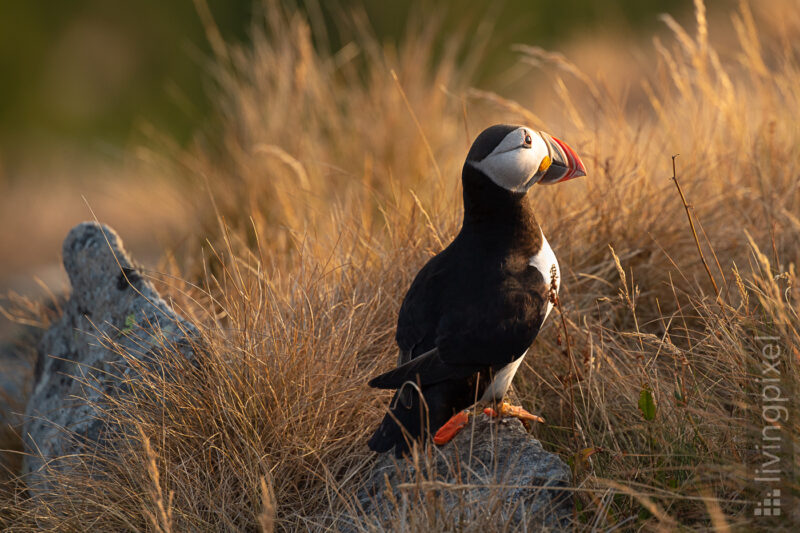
(565, 163)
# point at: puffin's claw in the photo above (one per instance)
(451, 428)
(506, 409)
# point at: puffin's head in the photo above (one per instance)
(516, 157)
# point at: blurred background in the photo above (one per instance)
(84, 83)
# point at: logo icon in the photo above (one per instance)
(770, 506)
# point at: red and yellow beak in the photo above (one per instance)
(564, 162)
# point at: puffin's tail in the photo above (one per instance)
(401, 426)
(410, 420)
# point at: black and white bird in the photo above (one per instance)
(474, 309)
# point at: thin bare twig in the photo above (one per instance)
(691, 225)
(573, 371)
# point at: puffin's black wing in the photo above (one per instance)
(420, 312)
(468, 341)
(415, 412)
(496, 328)
(485, 327)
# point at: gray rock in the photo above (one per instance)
(112, 317)
(492, 475)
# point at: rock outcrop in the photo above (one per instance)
(112, 311)
(493, 474)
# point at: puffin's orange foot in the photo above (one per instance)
(516, 411)
(451, 428)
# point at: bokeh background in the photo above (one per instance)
(84, 85)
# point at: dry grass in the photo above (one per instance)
(330, 183)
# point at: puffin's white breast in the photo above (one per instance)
(502, 381)
(544, 261)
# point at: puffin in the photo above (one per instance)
(474, 309)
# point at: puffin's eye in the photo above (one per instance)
(528, 140)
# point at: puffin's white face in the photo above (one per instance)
(518, 161)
